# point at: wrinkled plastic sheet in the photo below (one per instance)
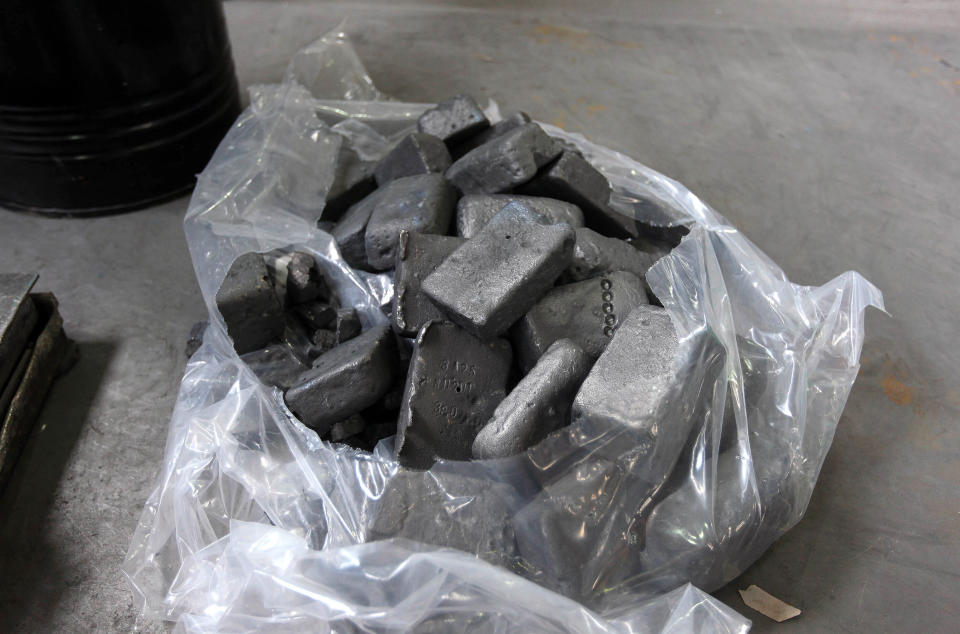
(256, 523)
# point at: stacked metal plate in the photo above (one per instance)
(33, 351)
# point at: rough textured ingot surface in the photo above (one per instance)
(454, 384)
(422, 203)
(345, 380)
(504, 162)
(641, 361)
(453, 119)
(418, 254)
(510, 122)
(476, 210)
(304, 281)
(539, 404)
(587, 312)
(18, 316)
(594, 255)
(416, 153)
(249, 304)
(352, 181)
(469, 514)
(493, 279)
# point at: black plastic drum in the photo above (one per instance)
(108, 105)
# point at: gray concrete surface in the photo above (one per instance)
(827, 131)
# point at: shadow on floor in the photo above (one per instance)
(27, 563)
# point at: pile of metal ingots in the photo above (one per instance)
(523, 290)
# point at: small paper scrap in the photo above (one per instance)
(767, 604)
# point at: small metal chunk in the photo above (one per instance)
(418, 255)
(416, 153)
(538, 405)
(475, 211)
(423, 203)
(453, 119)
(454, 384)
(504, 162)
(493, 279)
(345, 380)
(304, 281)
(587, 312)
(348, 324)
(249, 305)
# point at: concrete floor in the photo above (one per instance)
(827, 131)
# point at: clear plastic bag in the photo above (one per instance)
(257, 523)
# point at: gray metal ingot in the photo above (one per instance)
(249, 305)
(451, 510)
(304, 281)
(453, 119)
(352, 181)
(454, 384)
(348, 324)
(539, 404)
(510, 122)
(565, 523)
(345, 380)
(642, 362)
(573, 179)
(587, 312)
(475, 211)
(595, 255)
(416, 153)
(423, 203)
(493, 279)
(418, 254)
(504, 162)
(660, 385)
